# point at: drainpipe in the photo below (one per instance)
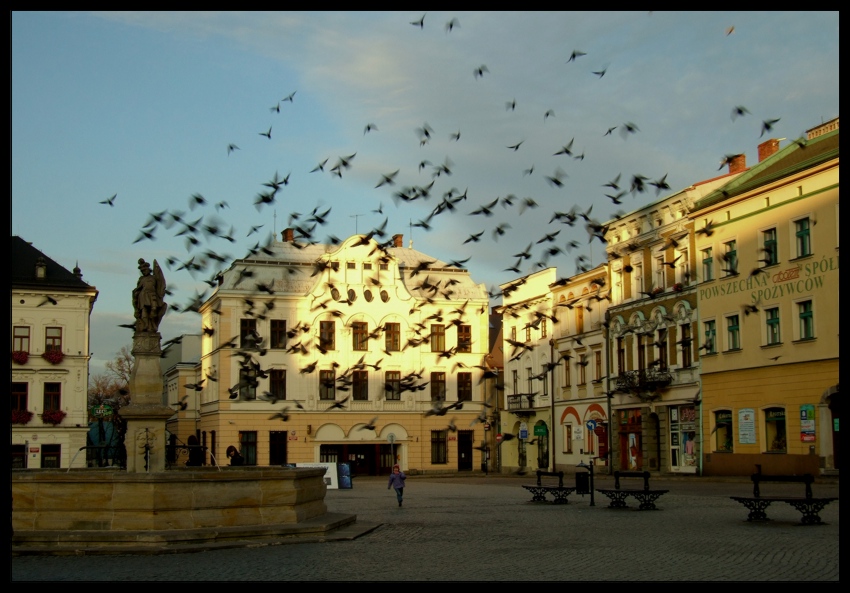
(608, 395)
(552, 401)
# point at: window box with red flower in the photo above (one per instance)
(21, 416)
(53, 417)
(53, 356)
(656, 291)
(20, 356)
(678, 287)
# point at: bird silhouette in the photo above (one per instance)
(420, 23)
(767, 126)
(739, 111)
(267, 134)
(479, 72)
(110, 201)
(576, 54)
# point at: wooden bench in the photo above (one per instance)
(808, 505)
(540, 490)
(645, 496)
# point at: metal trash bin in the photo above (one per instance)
(582, 482)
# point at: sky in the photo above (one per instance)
(144, 107)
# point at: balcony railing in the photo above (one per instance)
(521, 402)
(644, 383)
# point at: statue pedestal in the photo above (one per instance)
(147, 414)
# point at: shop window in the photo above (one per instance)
(774, 427)
(683, 426)
(723, 431)
(19, 456)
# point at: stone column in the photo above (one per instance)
(147, 414)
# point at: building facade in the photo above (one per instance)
(768, 313)
(582, 405)
(654, 271)
(363, 352)
(51, 311)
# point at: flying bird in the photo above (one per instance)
(767, 126)
(576, 54)
(110, 201)
(739, 111)
(370, 128)
(267, 134)
(231, 148)
(451, 25)
(479, 72)
(420, 23)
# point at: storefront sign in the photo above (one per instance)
(540, 430)
(807, 423)
(747, 426)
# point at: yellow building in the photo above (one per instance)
(360, 352)
(768, 303)
(51, 313)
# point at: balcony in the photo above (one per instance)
(644, 384)
(521, 402)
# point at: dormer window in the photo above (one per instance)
(40, 268)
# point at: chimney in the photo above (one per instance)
(398, 240)
(768, 148)
(738, 163)
(288, 235)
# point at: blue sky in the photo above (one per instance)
(144, 105)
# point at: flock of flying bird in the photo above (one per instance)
(203, 222)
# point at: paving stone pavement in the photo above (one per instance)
(484, 528)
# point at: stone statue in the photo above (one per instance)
(147, 297)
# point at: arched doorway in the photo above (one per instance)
(541, 437)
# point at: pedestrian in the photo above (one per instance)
(235, 457)
(397, 479)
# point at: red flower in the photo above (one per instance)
(20, 356)
(21, 416)
(53, 356)
(53, 417)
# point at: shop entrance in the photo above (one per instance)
(375, 459)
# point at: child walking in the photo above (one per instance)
(397, 479)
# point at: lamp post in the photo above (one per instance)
(552, 402)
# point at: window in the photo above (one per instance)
(278, 333)
(52, 397)
(686, 343)
(248, 383)
(327, 335)
(50, 456)
(20, 396)
(683, 267)
(350, 265)
(527, 333)
(661, 344)
(464, 338)
(660, 275)
(774, 429)
(579, 319)
(360, 335)
(582, 367)
(19, 456)
(439, 446)
(733, 333)
(621, 354)
(641, 340)
(772, 319)
(360, 385)
(723, 431)
(637, 278)
(392, 335)
(543, 328)
(707, 264)
(392, 385)
(515, 379)
(568, 438)
(21, 339)
(277, 383)
(464, 387)
(804, 245)
(248, 446)
(438, 386)
(771, 254)
(327, 385)
(807, 326)
(53, 339)
(710, 328)
(247, 333)
(530, 378)
(438, 338)
(567, 374)
(730, 256)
